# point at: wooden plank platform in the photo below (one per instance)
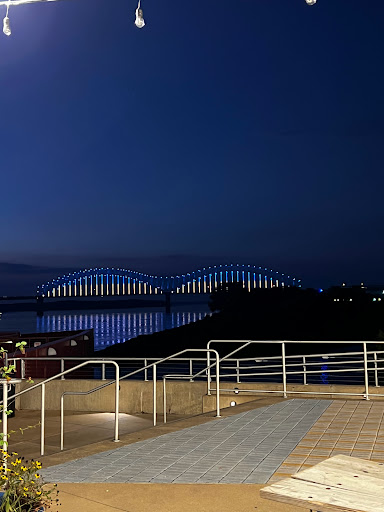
(339, 484)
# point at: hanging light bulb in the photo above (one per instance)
(6, 24)
(139, 21)
(311, 2)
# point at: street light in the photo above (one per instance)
(311, 2)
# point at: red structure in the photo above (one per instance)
(53, 346)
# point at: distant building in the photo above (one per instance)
(345, 293)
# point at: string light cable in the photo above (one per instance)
(139, 17)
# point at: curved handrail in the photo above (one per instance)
(217, 363)
(102, 386)
(42, 385)
(116, 439)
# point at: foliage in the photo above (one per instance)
(23, 486)
(21, 346)
(20, 480)
(6, 370)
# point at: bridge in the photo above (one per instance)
(100, 282)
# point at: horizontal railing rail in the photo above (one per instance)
(185, 365)
(102, 386)
(368, 359)
(42, 385)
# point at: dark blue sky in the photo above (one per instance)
(247, 131)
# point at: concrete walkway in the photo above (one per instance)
(243, 448)
(167, 498)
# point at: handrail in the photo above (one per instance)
(116, 439)
(42, 384)
(192, 376)
(130, 360)
(102, 386)
(283, 357)
(118, 380)
(300, 364)
(282, 360)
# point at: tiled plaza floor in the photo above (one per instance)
(244, 448)
(354, 428)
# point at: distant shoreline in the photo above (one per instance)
(76, 305)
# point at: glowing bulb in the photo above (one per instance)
(139, 21)
(6, 26)
(311, 2)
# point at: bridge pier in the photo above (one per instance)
(167, 302)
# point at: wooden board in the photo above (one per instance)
(341, 483)
(348, 474)
(319, 498)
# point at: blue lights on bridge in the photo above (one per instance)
(100, 282)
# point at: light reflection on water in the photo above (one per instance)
(109, 327)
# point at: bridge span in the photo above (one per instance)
(101, 282)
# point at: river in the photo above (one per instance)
(110, 327)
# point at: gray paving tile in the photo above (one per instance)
(247, 447)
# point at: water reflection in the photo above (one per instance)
(117, 327)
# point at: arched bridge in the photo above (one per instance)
(117, 281)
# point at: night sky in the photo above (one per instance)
(248, 131)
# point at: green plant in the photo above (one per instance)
(21, 346)
(23, 488)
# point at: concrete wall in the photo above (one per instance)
(335, 391)
(183, 397)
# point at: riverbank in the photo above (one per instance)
(94, 303)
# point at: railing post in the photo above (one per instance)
(145, 371)
(237, 371)
(284, 370)
(366, 396)
(190, 369)
(62, 422)
(154, 395)
(117, 403)
(217, 386)
(5, 421)
(164, 401)
(305, 372)
(376, 374)
(22, 369)
(62, 366)
(42, 421)
(103, 372)
(208, 374)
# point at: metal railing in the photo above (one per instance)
(285, 366)
(102, 386)
(281, 367)
(22, 364)
(183, 365)
(42, 385)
